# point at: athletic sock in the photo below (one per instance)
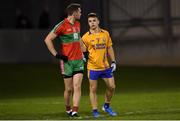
(75, 109)
(106, 105)
(68, 108)
(95, 110)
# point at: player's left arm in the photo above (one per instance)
(111, 54)
(112, 57)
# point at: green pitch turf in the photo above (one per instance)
(35, 91)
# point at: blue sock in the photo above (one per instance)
(106, 105)
(95, 110)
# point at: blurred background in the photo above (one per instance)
(144, 32)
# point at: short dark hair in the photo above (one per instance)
(93, 15)
(72, 7)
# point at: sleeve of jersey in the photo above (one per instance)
(85, 44)
(58, 30)
(79, 24)
(109, 40)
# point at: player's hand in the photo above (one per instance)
(113, 66)
(85, 56)
(84, 59)
(62, 57)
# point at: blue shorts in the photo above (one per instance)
(95, 75)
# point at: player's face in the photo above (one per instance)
(93, 22)
(77, 14)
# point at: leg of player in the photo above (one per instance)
(68, 82)
(77, 80)
(93, 97)
(93, 77)
(110, 88)
(110, 83)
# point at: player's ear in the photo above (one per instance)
(98, 21)
(74, 13)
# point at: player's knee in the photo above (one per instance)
(77, 87)
(112, 87)
(93, 89)
(69, 90)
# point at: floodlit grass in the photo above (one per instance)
(156, 105)
(32, 91)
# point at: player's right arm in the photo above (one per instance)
(84, 48)
(49, 42)
(84, 43)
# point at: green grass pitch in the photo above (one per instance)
(35, 92)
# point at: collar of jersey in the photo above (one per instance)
(94, 33)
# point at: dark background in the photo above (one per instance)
(144, 33)
(33, 8)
